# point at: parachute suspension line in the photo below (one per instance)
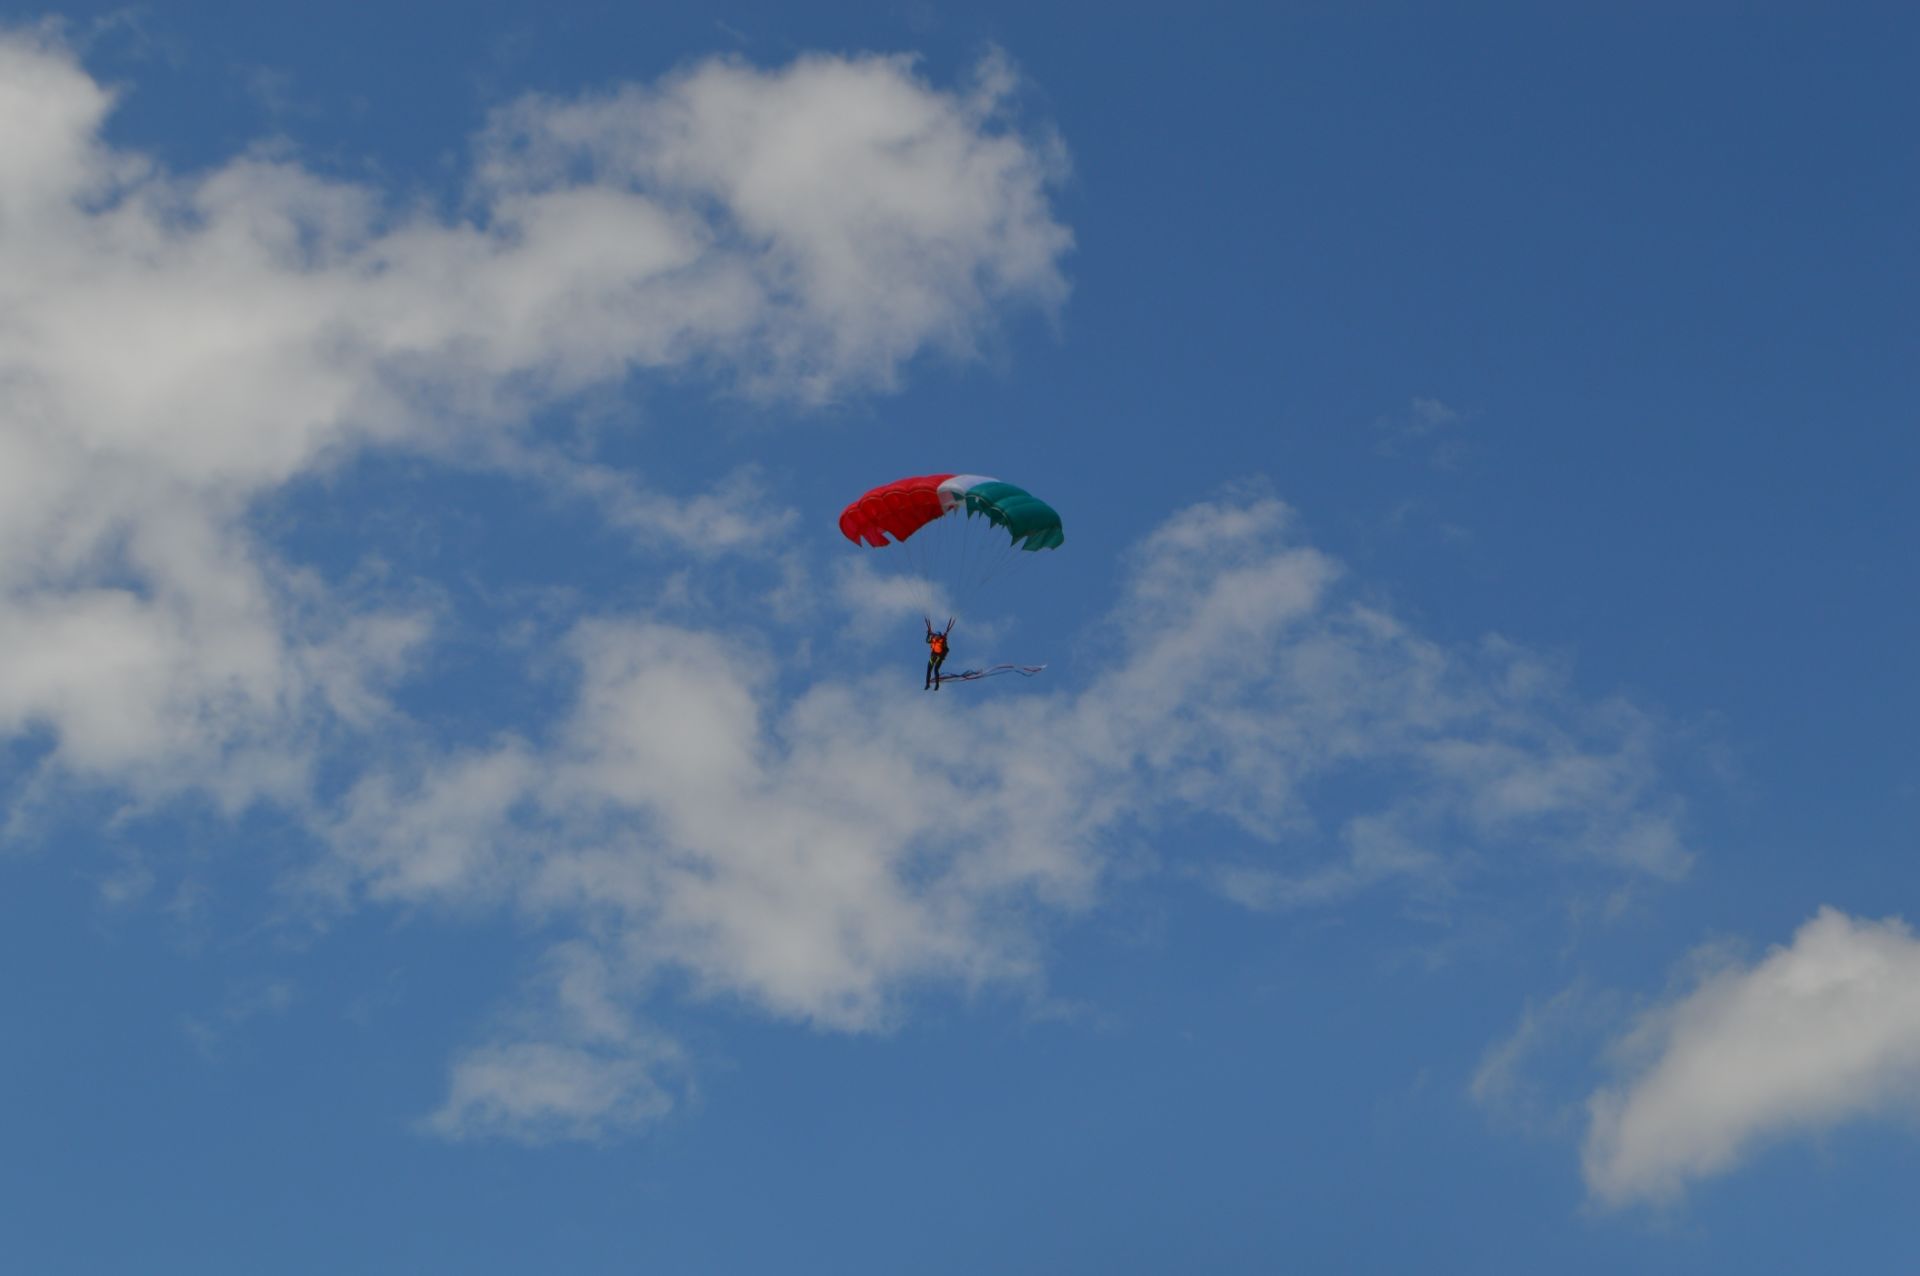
(999, 564)
(965, 557)
(956, 547)
(940, 552)
(978, 545)
(955, 552)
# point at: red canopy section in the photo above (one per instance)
(898, 509)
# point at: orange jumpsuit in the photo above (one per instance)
(936, 656)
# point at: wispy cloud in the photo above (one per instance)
(575, 1065)
(1428, 431)
(212, 1034)
(1517, 1080)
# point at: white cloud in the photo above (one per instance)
(176, 347)
(541, 1092)
(865, 217)
(876, 603)
(821, 855)
(1823, 1030)
(418, 841)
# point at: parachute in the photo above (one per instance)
(957, 532)
(904, 506)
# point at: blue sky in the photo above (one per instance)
(467, 808)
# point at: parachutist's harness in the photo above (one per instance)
(936, 653)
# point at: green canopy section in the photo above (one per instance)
(1031, 522)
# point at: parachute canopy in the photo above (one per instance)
(903, 507)
(946, 558)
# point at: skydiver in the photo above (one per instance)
(936, 652)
